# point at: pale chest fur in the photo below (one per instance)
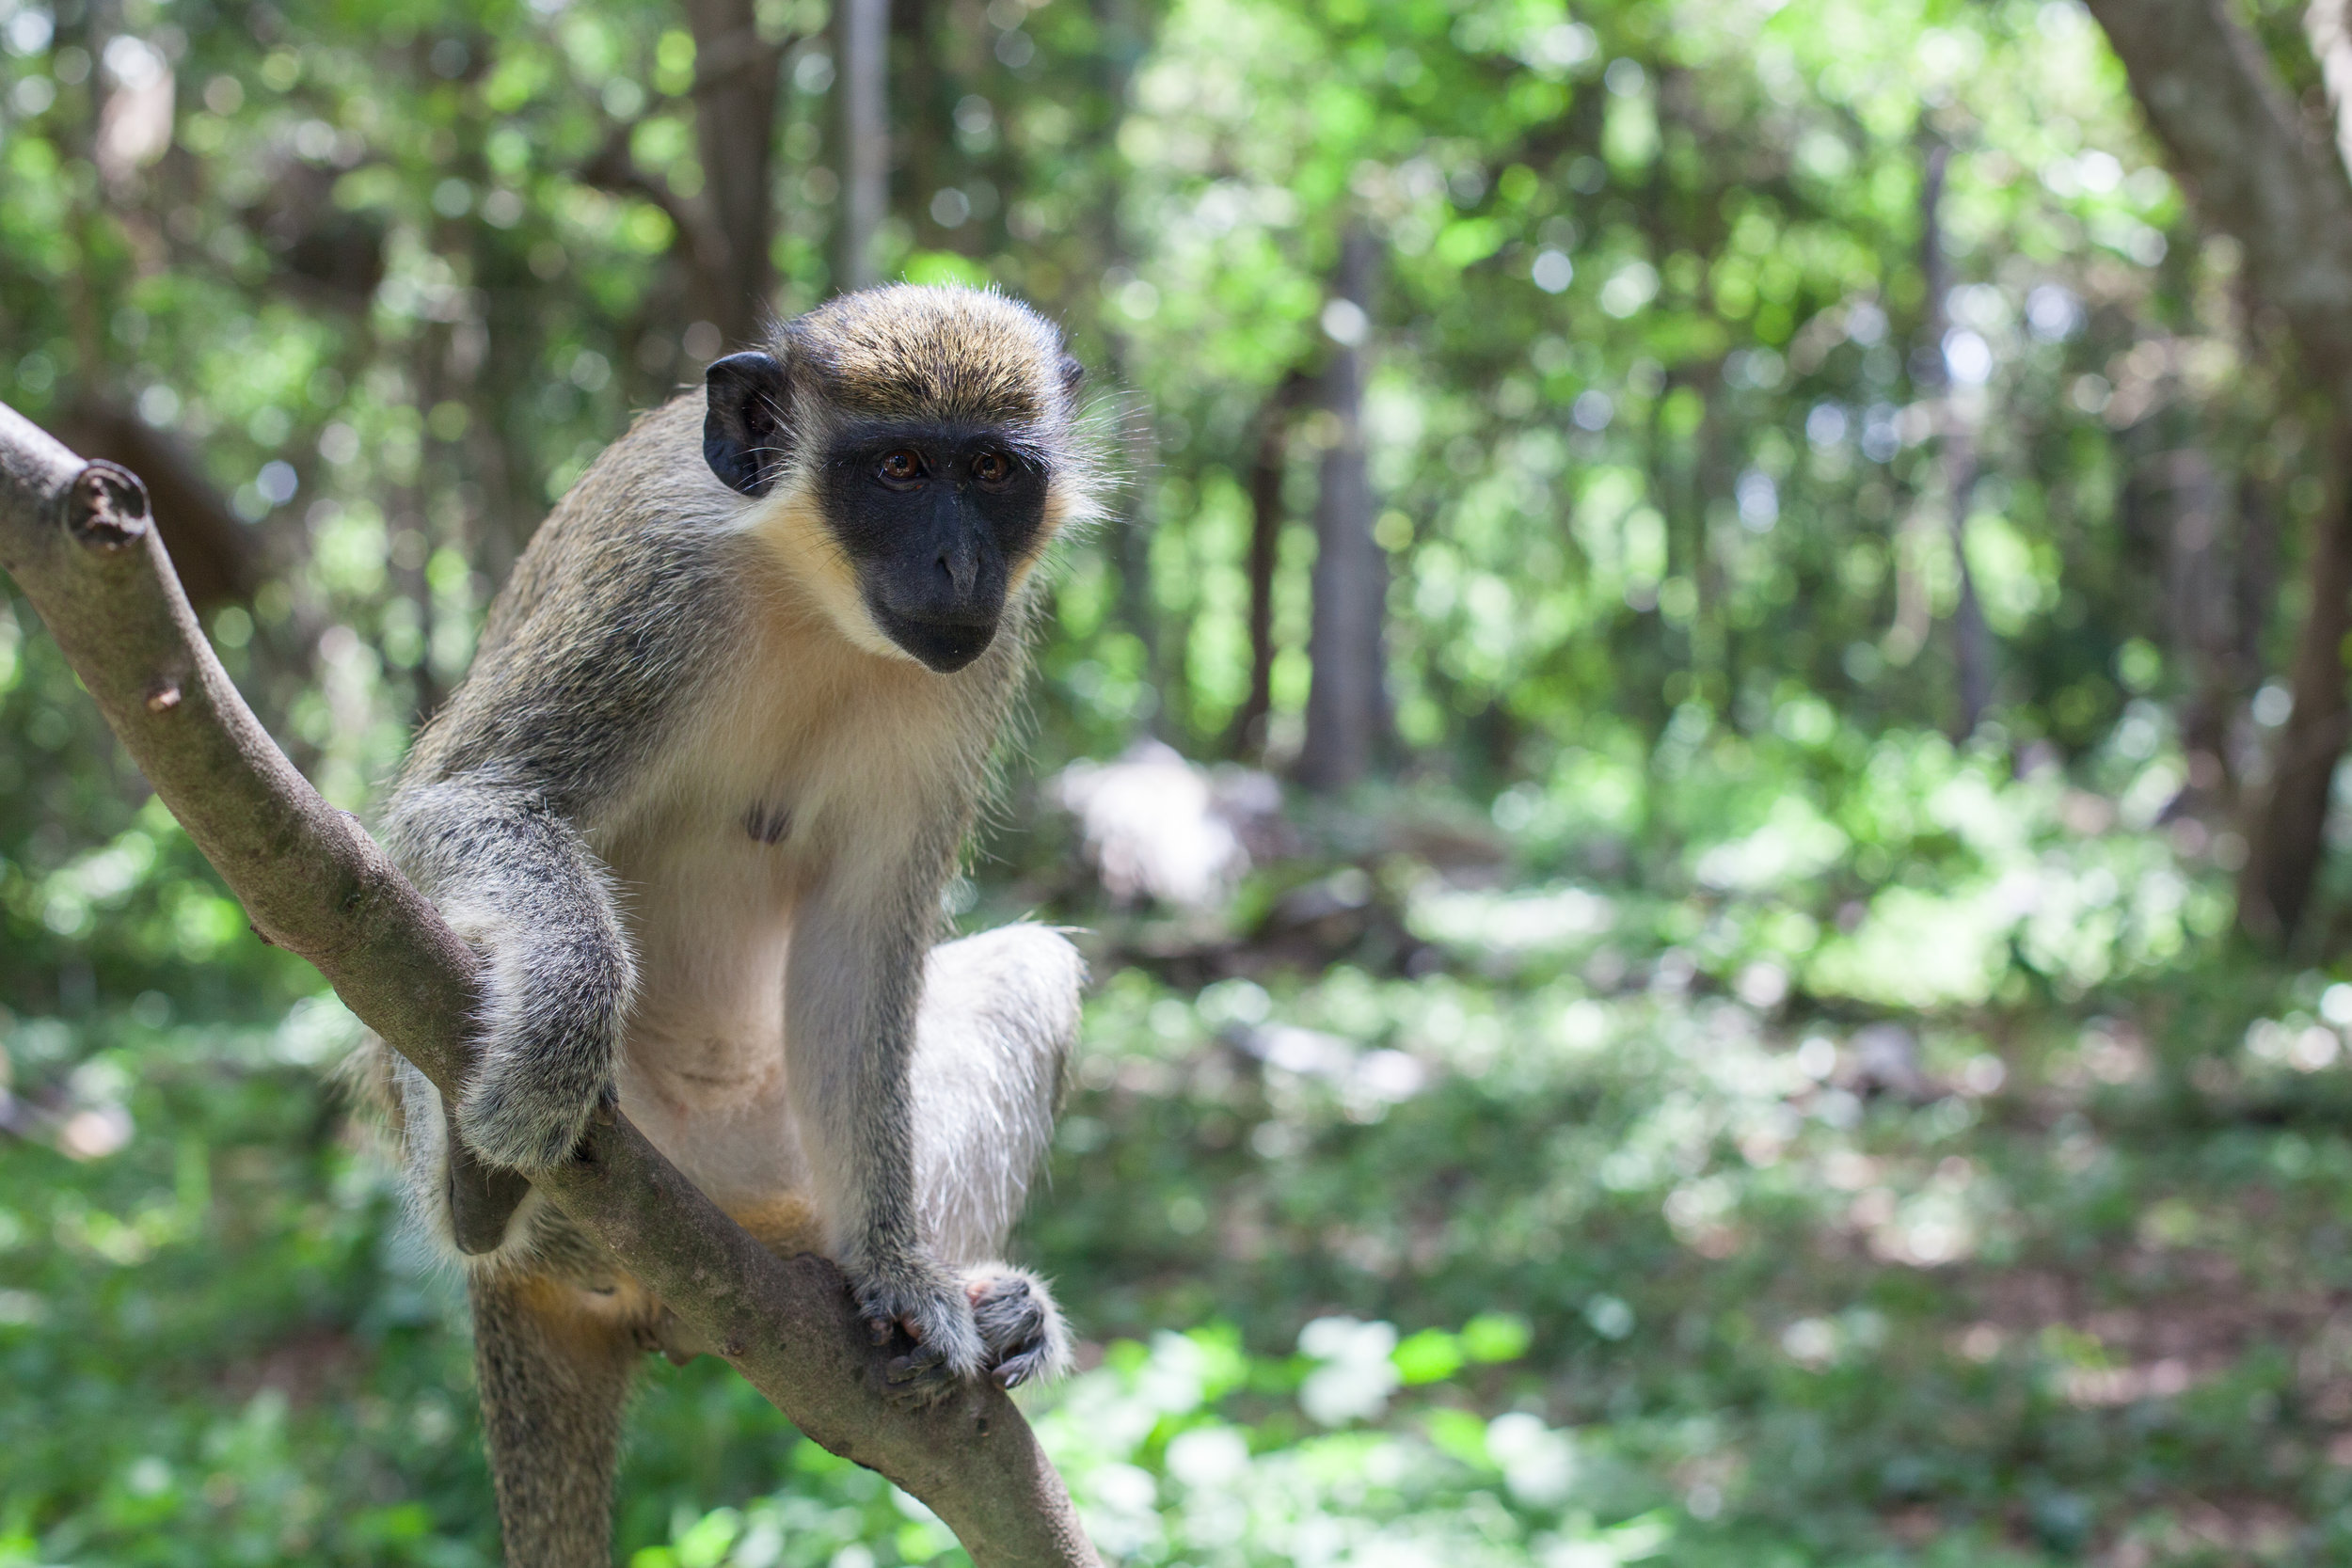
(807, 759)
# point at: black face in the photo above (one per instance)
(932, 513)
(934, 516)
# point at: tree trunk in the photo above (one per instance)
(862, 49)
(2233, 135)
(1269, 466)
(1348, 700)
(2200, 588)
(1972, 640)
(1138, 607)
(2289, 839)
(2256, 586)
(735, 120)
(1712, 476)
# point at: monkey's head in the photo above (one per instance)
(915, 450)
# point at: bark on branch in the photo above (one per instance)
(78, 538)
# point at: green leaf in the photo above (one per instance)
(945, 266)
(1493, 1337)
(1430, 1356)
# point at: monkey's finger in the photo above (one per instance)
(908, 1368)
(1015, 1371)
(879, 1330)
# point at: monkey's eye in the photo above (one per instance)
(903, 467)
(992, 468)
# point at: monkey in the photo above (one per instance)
(696, 803)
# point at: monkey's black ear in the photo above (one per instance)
(1071, 374)
(745, 438)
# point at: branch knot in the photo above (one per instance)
(106, 506)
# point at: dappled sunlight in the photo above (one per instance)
(1694, 754)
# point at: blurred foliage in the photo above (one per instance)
(1719, 1116)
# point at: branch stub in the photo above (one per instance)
(106, 506)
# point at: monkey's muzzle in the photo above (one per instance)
(944, 643)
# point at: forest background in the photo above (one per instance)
(1788, 1004)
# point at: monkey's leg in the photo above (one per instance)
(992, 1041)
(552, 1384)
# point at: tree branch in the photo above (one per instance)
(2214, 103)
(614, 169)
(76, 537)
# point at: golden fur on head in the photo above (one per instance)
(912, 351)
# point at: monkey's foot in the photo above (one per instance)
(927, 1324)
(1020, 1327)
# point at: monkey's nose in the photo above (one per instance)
(962, 564)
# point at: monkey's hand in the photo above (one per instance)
(552, 1015)
(924, 1313)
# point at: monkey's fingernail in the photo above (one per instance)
(914, 1330)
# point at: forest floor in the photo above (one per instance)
(1430, 1200)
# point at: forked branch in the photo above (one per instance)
(76, 537)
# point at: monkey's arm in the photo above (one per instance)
(514, 879)
(855, 981)
(622, 596)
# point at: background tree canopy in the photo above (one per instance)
(1746, 1057)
